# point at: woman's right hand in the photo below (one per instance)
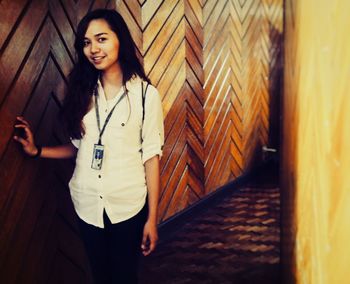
(27, 141)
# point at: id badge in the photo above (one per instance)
(97, 157)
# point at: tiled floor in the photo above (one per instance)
(235, 241)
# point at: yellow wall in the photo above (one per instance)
(316, 137)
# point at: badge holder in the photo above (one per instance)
(97, 157)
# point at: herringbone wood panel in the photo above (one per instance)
(261, 64)
(171, 47)
(214, 64)
(39, 239)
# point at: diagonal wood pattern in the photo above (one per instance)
(262, 28)
(39, 239)
(223, 93)
(215, 64)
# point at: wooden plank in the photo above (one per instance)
(133, 25)
(149, 8)
(10, 11)
(64, 27)
(15, 103)
(156, 59)
(171, 164)
(197, 12)
(178, 201)
(20, 41)
(135, 10)
(171, 152)
(170, 189)
(166, 32)
(159, 20)
(193, 54)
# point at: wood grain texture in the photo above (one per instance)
(216, 65)
(316, 141)
(39, 237)
(234, 241)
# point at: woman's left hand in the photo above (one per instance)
(150, 238)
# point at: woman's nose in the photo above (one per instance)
(94, 48)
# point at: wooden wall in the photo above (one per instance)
(289, 148)
(316, 139)
(39, 240)
(216, 65)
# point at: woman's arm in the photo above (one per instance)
(29, 147)
(150, 232)
(59, 152)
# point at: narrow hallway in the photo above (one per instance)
(237, 240)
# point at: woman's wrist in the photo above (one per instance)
(152, 220)
(38, 153)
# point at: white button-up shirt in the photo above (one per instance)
(120, 186)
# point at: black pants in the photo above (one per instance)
(114, 251)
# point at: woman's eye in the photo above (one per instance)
(101, 39)
(86, 43)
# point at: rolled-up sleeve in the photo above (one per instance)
(153, 126)
(75, 142)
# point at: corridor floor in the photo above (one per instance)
(235, 241)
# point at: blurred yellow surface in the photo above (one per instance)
(321, 86)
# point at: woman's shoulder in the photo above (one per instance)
(137, 85)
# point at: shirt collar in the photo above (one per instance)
(101, 94)
(130, 85)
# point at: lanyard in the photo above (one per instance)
(107, 118)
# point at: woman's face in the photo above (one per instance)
(101, 46)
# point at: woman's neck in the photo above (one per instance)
(112, 81)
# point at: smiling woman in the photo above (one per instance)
(117, 136)
(101, 46)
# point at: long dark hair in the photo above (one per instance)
(83, 77)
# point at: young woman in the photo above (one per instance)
(115, 122)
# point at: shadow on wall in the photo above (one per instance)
(265, 162)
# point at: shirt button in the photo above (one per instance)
(106, 110)
(99, 176)
(123, 124)
(100, 196)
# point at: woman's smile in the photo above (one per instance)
(97, 59)
(101, 46)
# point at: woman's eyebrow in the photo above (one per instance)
(97, 35)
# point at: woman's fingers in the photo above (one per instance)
(27, 130)
(149, 244)
(27, 139)
(145, 245)
(149, 238)
(21, 140)
(152, 246)
(21, 119)
(21, 126)
(144, 240)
